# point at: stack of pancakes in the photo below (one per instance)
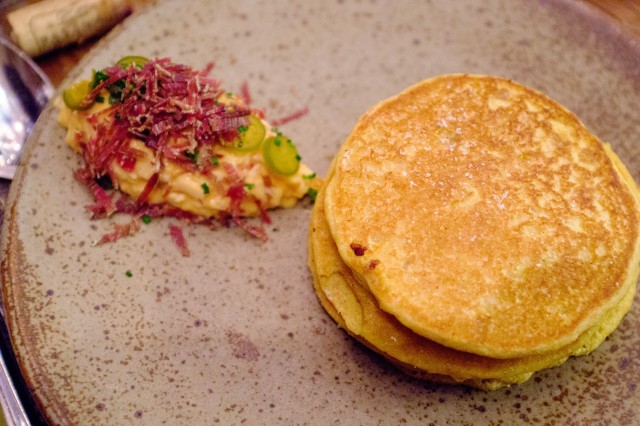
(472, 230)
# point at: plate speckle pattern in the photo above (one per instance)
(234, 333)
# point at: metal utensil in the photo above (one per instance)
(24, 91)
(11, 405)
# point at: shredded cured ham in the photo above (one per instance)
(245, 93)
(180, 115)
(120, 231)
(253, 230)
(172, 108)
(147, 189)
(178, 238)
(104, 205)
(291, 117)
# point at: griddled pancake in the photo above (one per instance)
(485, 216)
(356, 310)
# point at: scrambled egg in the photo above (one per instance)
(202, 194)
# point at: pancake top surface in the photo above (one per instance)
(484, 216)
(356, 310)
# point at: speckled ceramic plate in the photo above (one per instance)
(234, 333)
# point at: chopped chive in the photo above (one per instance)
(118, 117)
(193, 155)
(243, 129)
(146, 219)
(214, 160)
(312, 193)
(99, 99)
(205, 188)
(298, 157)
(128, 274)
(249, 185)
(311, 176)
(98, 77)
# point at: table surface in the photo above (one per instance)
(57, 64)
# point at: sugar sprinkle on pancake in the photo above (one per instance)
(485, 216)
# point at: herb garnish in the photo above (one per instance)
(312, 194)
(193, 155)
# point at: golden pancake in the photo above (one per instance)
(355, 310)
(485, 216)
